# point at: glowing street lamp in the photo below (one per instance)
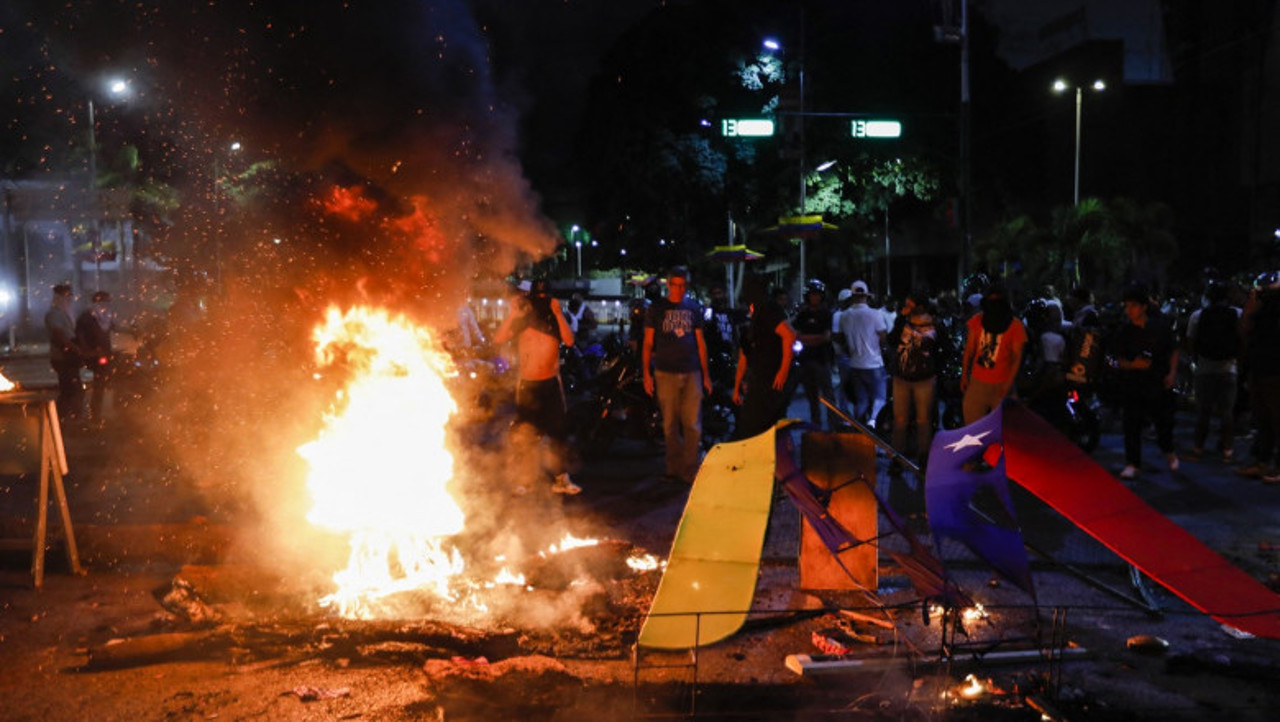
(232, 148)
(577, 244)
(116, 88)
(1061, 86)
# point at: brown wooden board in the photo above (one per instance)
(836, 461)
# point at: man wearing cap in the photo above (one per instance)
(674, 359)
(864, 330)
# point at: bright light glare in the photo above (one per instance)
(747, 128)
(771, 44)
(117, 87)
(1060, 85)
(826, 166)
(1099, 85)
(235, 145)
(883, 129)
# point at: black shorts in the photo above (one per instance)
(541, 404)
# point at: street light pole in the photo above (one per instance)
(1061, 86)
(1075, 192)
(117, 88)
(218, 226)
(577, 244)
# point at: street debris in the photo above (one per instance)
(311, 694)
(1147, 644)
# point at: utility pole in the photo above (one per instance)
(966, 156)
(948, 32)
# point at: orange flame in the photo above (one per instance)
(349, 203)
(380, 467)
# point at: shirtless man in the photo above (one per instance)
(538, 325)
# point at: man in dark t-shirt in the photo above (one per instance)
(1146, 356)
(764, 362)
(674, 359)
(813, 327)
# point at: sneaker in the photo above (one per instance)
(1130, 472)
(1172, 458)
(563, 485)
(1253, 471)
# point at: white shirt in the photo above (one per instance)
(862, 327)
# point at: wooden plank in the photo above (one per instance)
(832, 461)
(58, 464)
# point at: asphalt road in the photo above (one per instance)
(138, 525)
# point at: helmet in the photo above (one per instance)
(813, 285)
(1036, 312)
(975, 283)
(1269, 281)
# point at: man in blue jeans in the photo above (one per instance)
(674, 357)
(864, 329)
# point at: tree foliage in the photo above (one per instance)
(1098, 244)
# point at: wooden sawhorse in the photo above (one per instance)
(31, 439)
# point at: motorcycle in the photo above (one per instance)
(615, 407)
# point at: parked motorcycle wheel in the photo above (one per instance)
(719, 420)
(593, 432)
(1083, 429)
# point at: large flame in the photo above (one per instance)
(380, 468)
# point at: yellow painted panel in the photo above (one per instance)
(715, 556)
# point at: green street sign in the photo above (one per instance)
(746, 128)
(876, 128)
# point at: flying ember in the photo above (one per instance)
(380, 468)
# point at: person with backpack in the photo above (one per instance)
(1213, 334)
(917, 349)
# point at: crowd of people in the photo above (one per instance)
(80, 341)
(906, 367)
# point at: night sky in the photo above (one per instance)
(474, 107)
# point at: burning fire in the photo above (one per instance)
(380, 473)
(380, 468)
(6, 384)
